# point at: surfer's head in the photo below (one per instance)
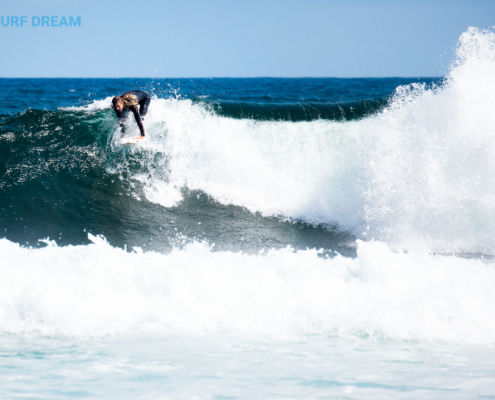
(118, 104)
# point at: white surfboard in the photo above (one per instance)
(133, 140)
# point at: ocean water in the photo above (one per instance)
(275, 239)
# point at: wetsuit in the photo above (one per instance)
(143, 101)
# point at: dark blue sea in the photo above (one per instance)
(274, 238)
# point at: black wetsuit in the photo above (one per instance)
(144, 101)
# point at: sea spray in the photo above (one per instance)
(429, 179)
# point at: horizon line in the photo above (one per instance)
(231, 77)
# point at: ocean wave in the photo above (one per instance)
(416, 174)
(97, 290)
(295, 112)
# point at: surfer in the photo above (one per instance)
(129, 101)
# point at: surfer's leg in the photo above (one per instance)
(143, 106)
(122, 127)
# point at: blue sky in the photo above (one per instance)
(231, 38)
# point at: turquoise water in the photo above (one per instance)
(225, 367)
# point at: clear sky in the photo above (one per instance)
(234, 38)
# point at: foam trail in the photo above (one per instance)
(100, 290)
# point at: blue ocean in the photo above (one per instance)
(275, 238)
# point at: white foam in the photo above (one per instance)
(93, 106)
(420, 174)
(430, 177)
(417, 175)
(297, 170)
(99, 290)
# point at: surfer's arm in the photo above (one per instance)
(138, 119)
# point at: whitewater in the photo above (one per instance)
(293, 248)
(413, 175)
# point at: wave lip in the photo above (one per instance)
(295, 112)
